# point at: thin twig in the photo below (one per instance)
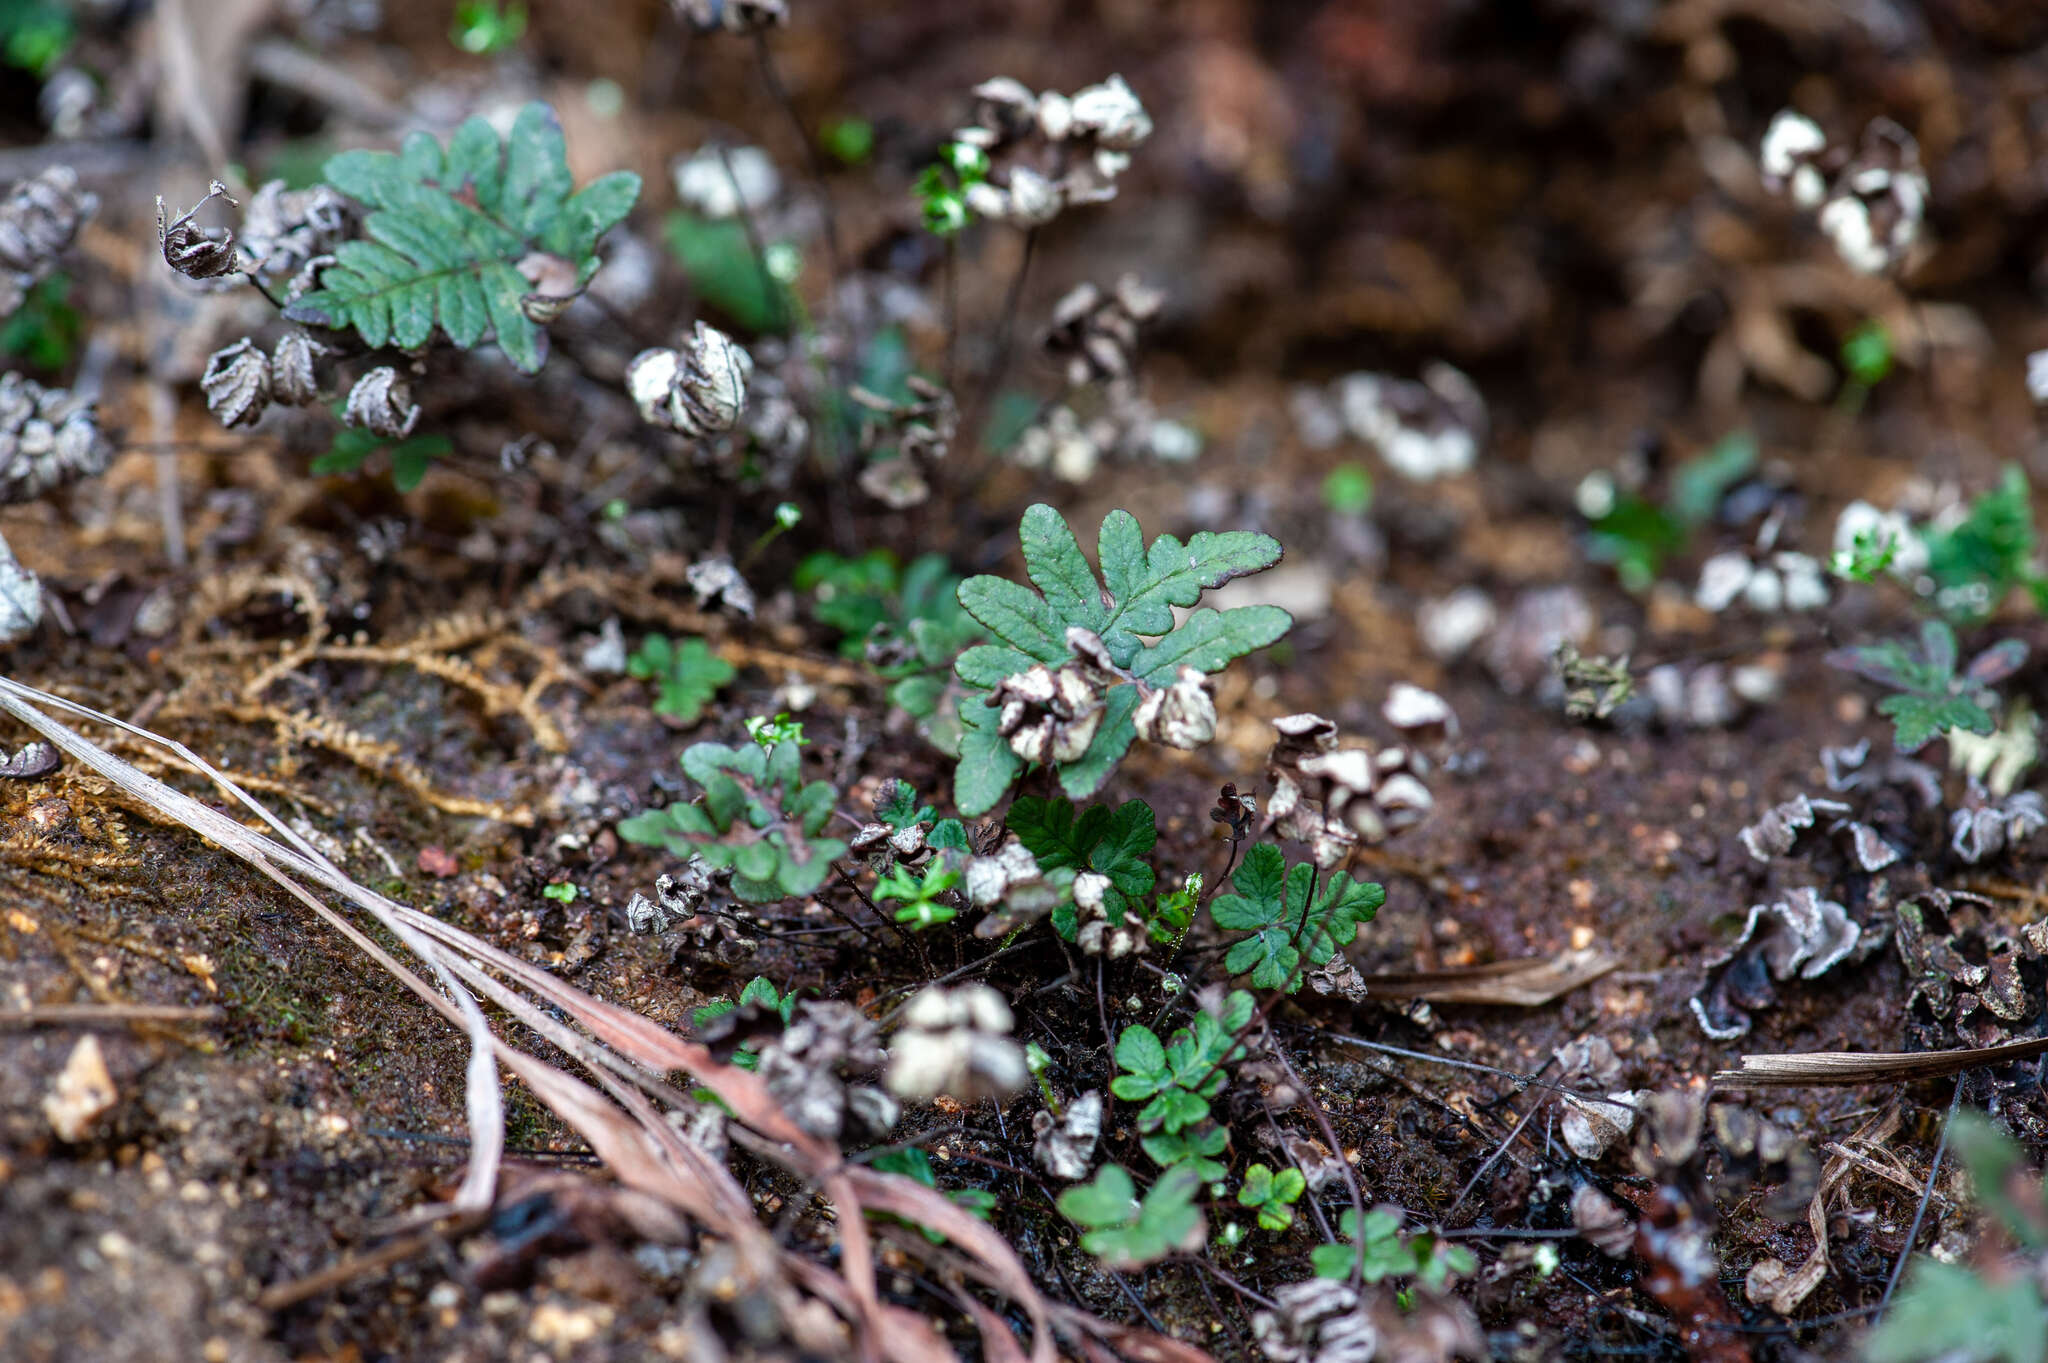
(1920, 1213)
(772, 78)
(1006, 334)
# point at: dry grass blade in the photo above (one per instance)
(1843, 1069)
(1523, 984)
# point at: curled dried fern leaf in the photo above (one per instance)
(481, 238)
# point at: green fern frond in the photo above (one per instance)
(457, 237)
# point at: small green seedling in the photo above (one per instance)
(1289, 917)
(758, 990)
(410, 457)
(1272, 1195)
(757, 816)
(561, 891)
(45, 329)
(1173, 913)
(1181, 1075)
(1114, 843)
(1867, 355)
(915, 1164)
(1976, 563)
(920, 900)
(486, 27)
(1196, 1147)
(941, 189)
(1930, 698)
(1636, 535)
(1348, 490)
(687, 672)
(1126, 1233)
(897, 806)
(1383, 1252)
(848, 140)
(1869, 555)
(770, 730)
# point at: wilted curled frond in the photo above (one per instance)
(381, 403)
(197, 252)
(696, 390)
(237, 384)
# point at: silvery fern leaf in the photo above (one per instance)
(1131, 607)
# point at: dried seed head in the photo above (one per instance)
(292, 378)
(696, 390)
(1065, 1145)
(714, 581)
(381, 403)
(237, 384)
(48, 438)
(286, 230)
(1049, 715)
(650, 382)
(39, 220)
(197, 252)
(1879, 200)
(1032, 201)
(1111, 114)
(21, 598)
(956, 1042)
(1790, 157)
(1182, 715)
(1425, 430)
(723, 182)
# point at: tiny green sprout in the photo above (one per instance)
(1867, 354)
(617, 509)
(769, 730)
(1174, 911)
(410, 457)
(562, 891)
(1038, 1062)
(44, 328)
(941, 189)
(920, 905)
(486, 28)
(1232, 1235)
(1869, 554)
(687, 672)
(943, 207)
(35, 34)
(1348, 490)
(1545, 1260)
(1125, 1232)
(1272, 1195)
(968, 162)
(897, 807)
(849, 139)
(788, 515)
